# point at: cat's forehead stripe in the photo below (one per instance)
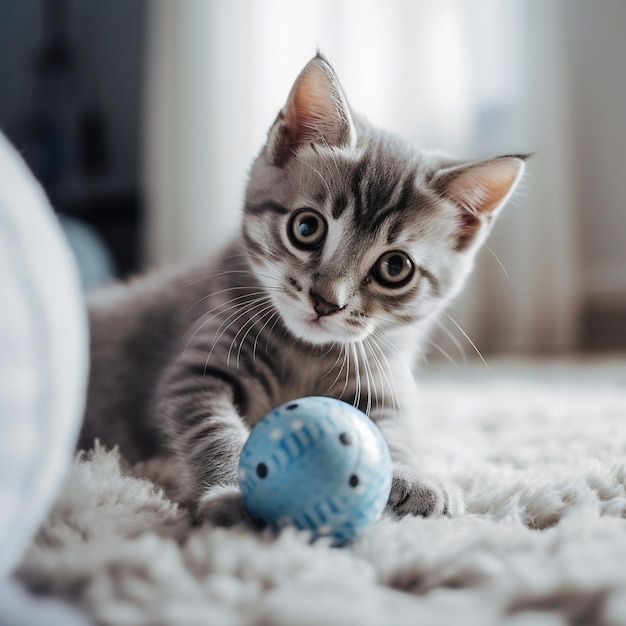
(373, 186)
(380, 192)
(399, 207)
(395, 229)
(339, 205)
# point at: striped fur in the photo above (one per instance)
(186, 363)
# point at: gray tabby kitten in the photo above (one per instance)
(351, 245)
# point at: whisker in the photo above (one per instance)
(368, 406)
(342, 353)
(438, 347)
(495, 256)
(387, 370)
(259, 316)
(381, 334)
(216, 293)
(369, 348)
(457, 344)
(470, 341)
(246, 311)
(330, 349)
(380, 392)
(267, 342)
(332, 367)
(275, 268)
(254, 319)
(229, 308)
(237, 256)
(347, 358)
(214, 273)
(256, 340)
(387, 321)
(390, 343)
(357, 395)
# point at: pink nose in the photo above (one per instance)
(322, 306)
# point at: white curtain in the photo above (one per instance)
(471, 76)
(527, 289)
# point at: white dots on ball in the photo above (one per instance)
(276, 434)
(325, 529)
(297, 424)
(242, 473)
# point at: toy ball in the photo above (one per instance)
(319, 464)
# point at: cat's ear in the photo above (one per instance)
(479, 190)
(316, 112)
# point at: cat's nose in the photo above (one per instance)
(322, 306)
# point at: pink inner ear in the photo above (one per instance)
(316, 109)
(483, 188)
(310, 102)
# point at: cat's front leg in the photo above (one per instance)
(200, 410)
(413, 490)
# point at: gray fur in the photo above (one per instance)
(186, 363)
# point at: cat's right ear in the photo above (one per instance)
(316, 112)
(479, 190)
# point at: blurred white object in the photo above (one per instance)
(43, 357)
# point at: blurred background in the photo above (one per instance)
(141, 117)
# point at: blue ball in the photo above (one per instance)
(319, 464)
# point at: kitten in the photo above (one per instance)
(351, 245)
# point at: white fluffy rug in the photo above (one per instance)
(540, 450)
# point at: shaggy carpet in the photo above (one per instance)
(538, 448)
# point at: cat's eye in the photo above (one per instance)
(307, 229)
(394, 269)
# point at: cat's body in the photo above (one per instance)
(351, 245)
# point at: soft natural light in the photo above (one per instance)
(407, 65)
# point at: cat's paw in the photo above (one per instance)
(411, 495)
(222, 506)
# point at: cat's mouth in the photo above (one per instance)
(321, 324)
(319, 330)
(309, 326)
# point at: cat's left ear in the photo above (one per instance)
(480, 190)
(316, 112)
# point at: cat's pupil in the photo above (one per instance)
(395, 265)
(308, 226)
